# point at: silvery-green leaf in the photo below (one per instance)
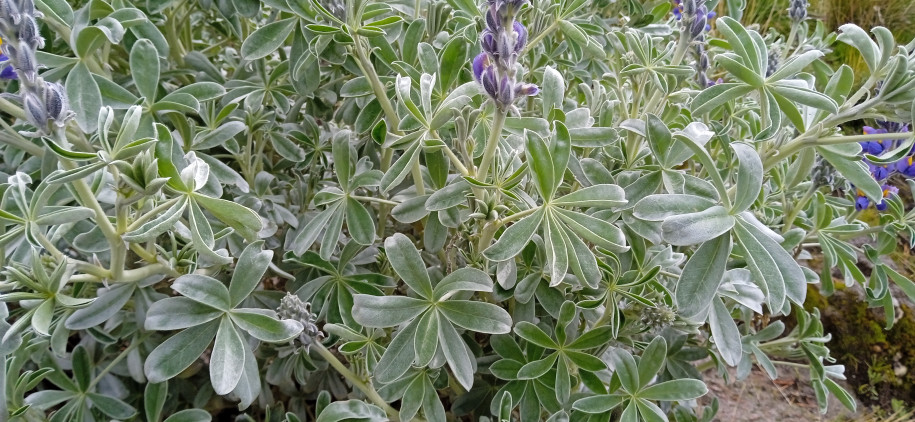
(749, 176)
(661, 206)
(408, 264)
(515, 237)
(690, 229)
(386, 311)
(227, 361)
(600, 196)
(701, 277)
(725, 333)
(552, 92)
(456, 353)
(178, 352)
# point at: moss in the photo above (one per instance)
(870, 216)
(879, 363)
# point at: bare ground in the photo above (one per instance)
(760, 399)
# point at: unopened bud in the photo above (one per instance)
(56, 103)
(35, 111)
(521, 36)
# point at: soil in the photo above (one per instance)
(760, 399)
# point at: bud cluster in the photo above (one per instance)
(823, 173)
(773, 62)
(44, 102)
(292, 307)
(502, 42)
(702, 65)
(694, 18)
(797, 10)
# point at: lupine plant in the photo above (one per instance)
(434, 209)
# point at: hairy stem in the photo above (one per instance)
(357, 382)
(498, 121)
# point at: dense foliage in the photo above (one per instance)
(433, 209)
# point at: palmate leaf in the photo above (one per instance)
(434, 316)
(562, 230)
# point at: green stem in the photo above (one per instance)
(392, 120)
(486, 235)
(151, 214)
(357, 382)
(811, 136)
(865, 232)
(796, 208)
(116, 360)
(417, 172)
(376, 200)
(536, 40)
(518, 215)
(682, 47)
(791, 34)
(18, 141)
(365, 65)
(12, 109)
(498, 121)
(454, 158)
(847, 139)
(128, 276)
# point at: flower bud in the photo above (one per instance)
(689, 8)
(698, 25)
(8, 9)
(506, 91)
(27, 7)
(488, 80)
(488, 42)
(34, 110)
(292, 307)
(28, 32)
(26, 64)
(56, 103)
(797, 10)
(480, 63)
(522, 90)
(506, 47)
(493, 20)
(521, 36)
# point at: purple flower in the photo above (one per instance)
(501, 43)
(490, 83)
(480, 63)
(523, 89)
(888, 191)
(880, 172)
(7, 72)
(697, 8)
(521, 31)
(906, 166)
(678, 9)
(861, 202)
(893, 127)
(488, 42)
(873, 147)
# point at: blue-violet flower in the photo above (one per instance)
(502, 41)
